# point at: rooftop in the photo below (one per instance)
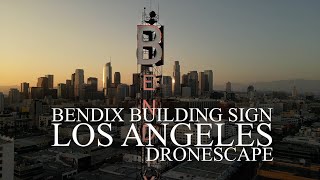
(196, 170)
(5, 140)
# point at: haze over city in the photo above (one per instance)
(160, 89)
(242, 42)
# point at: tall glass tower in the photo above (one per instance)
(107, 77)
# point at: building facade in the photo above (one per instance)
(107, 77)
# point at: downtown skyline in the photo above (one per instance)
(37, 40)
(102, 91)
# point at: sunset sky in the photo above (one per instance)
(241, 41)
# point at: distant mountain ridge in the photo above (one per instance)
(302, 86)
(5, 89)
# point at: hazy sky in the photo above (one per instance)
(241, 41)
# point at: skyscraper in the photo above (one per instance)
(184, 80)
(122, 92)
(166, 86)
(93, 83)
(136, 79)
(36, 93)
(14, 96)
(69, 89)
(203, 83)
(176, 78)
(135, 85)
(209, 73)
(193, 82)
(24, 89)
(106, 77)
(73, 79)
(91, 88)
(50, 81)
(43, 83)
(62, 91)
(117, 78)
(1, 102)
(78, 83)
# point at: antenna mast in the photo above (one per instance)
(151, 73)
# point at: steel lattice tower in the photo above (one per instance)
(151, 73)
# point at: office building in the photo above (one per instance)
(93, 83)
(73, 78)
(203, 83)
(135, 85)
(176, 79)
(78, 83)
(209, 73)
(43, 83)
(186, 92)
(193, 83)
(36, 93)
(122, 92)
(91, 89)
(14, 96)
(69, 89)
(1, 102)
(166, 86)
(184, 80)
(117, 78)
(50, 81)
(62, 90)
(106, 77)
(24, 89)
(7, 158)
